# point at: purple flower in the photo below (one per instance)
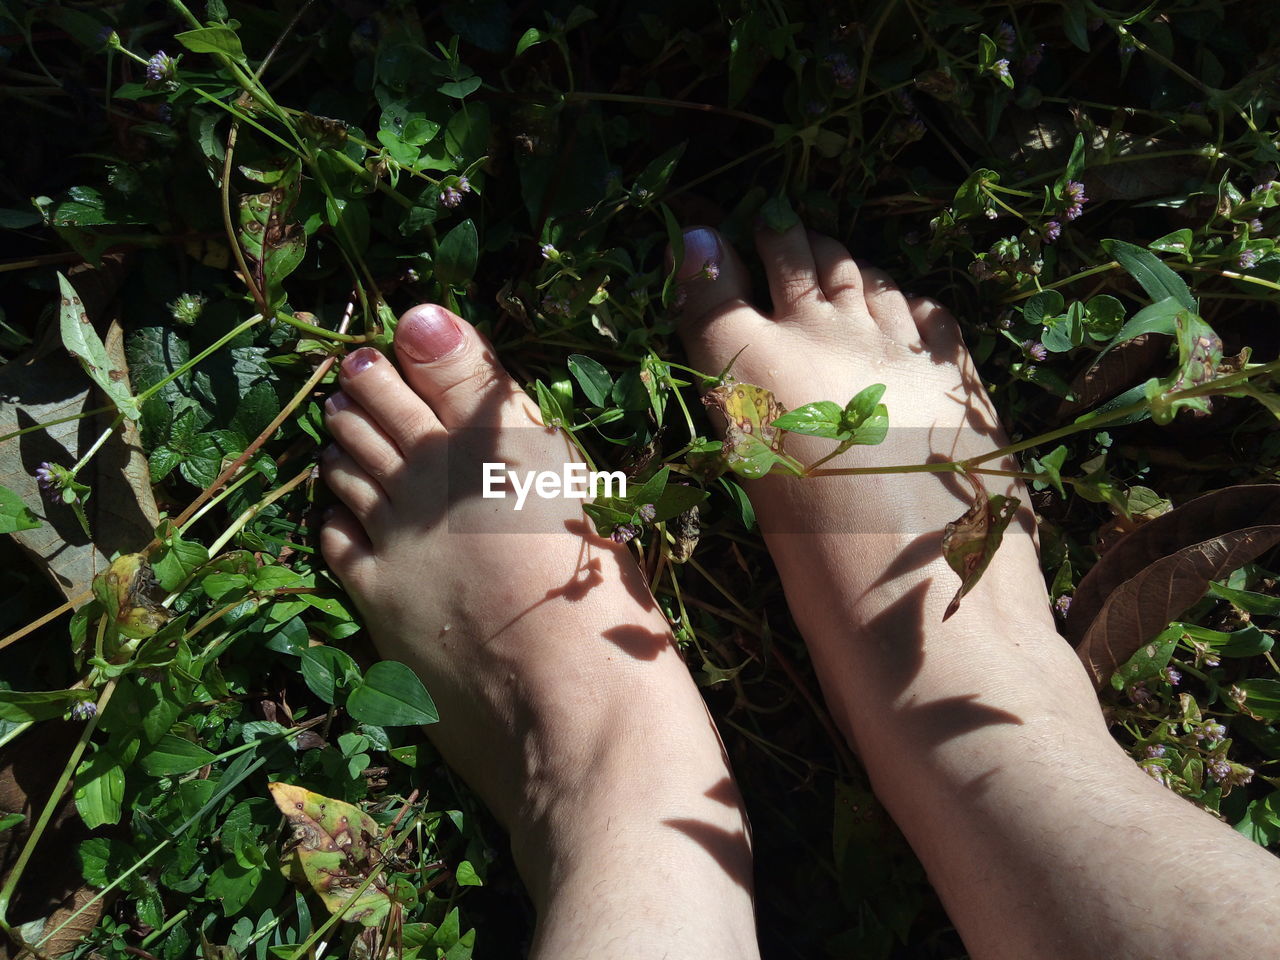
(108, 37)
(1035, 350)
(1249, 259)
(1063, 604)
(1255, 226)
(1001, 69)
(464, 184)
(549, 252)
(1051, 231)
(161, 69)
(450, 197)
(1210, 731)
(83, 710)
(1173, 676)
(1153, 751)
(1006, 36)
(624, 532)
(647, 512)
(843, 74)
(47, 478)
(1263, 188)
(1139, 693)
(711, 270)
(1220, 770)
(1074, 192)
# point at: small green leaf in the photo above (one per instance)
(549, 407)
(221, 39)
(456, 259)
(1050, 465)
(174, 755)
(592, 377)
(460, 89)
(864, 406)
(778, 214)
(100, 789)
(14, 514)
(83, 343)
(819, 419)
(328, 670)
(466, 876)
(392, 696)
(1177, 242)
(531, 37)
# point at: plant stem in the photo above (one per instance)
(55, 796)
(253, 511)
(674, 104)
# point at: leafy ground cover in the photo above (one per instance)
(206, 207)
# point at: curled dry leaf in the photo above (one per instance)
(1163, 567)
(969, 543)
(333, 851)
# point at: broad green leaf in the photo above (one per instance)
(531, 37)
(174, 755)
(456, 259)
(1074, 23)
(592, 377)
(327, 671)
(1179, 241)
(83, 343)
(14, 514)
(100, 789)
(1156, 278)
(103, 859)
(460, 89)
(864, 408)
(221, 39)
(675, 500)
(1159, 317)
(1043, 306)
(391, 696)
(466, 876)
(1262, 697)
(752, 445)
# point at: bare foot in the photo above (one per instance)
(981, 735)
(562, 700)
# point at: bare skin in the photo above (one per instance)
(562, 700)
(982, 735)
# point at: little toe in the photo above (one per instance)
(838, 273)
(717, 314)
(455, 370)
(371, 380)
(360, 491)
(792, 271)
(888, 307)
(343, 542)
(360, 436)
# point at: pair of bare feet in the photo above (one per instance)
(565, 705)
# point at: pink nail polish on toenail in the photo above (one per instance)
(360, 361)
(428, 333)
(702, 254)
(336, 403)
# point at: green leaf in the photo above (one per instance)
(1157, 279)
(1262, 697)
(392, 696)
(1043, 306)
(328, 670)
(592, 377)
(221, 39)
(778, 214)
(466, 876)
(1075, 24)
(1160, 317)
(819, 419)
(549, 406)
(103, 859)
(1177, 242)
(100, 789)
(14, 514)
(676, 498)
(864, 407)
(21, 706)
(1050, 465)
(174, 755)
(82, 342)
(531, 37)
(460, 89)
(456, 259)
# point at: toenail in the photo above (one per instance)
(360, 361)
(702, 254)
(336, 403)
(428, 333)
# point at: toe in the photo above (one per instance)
(352, 485)
(717, 315)
(838, 274)
(370, 379)
(791, 270)
(360, 436)
(888, 307)
(937, 327)
(343, 542)
(455, 370)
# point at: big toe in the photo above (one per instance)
(717, 318)
(455, 370)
